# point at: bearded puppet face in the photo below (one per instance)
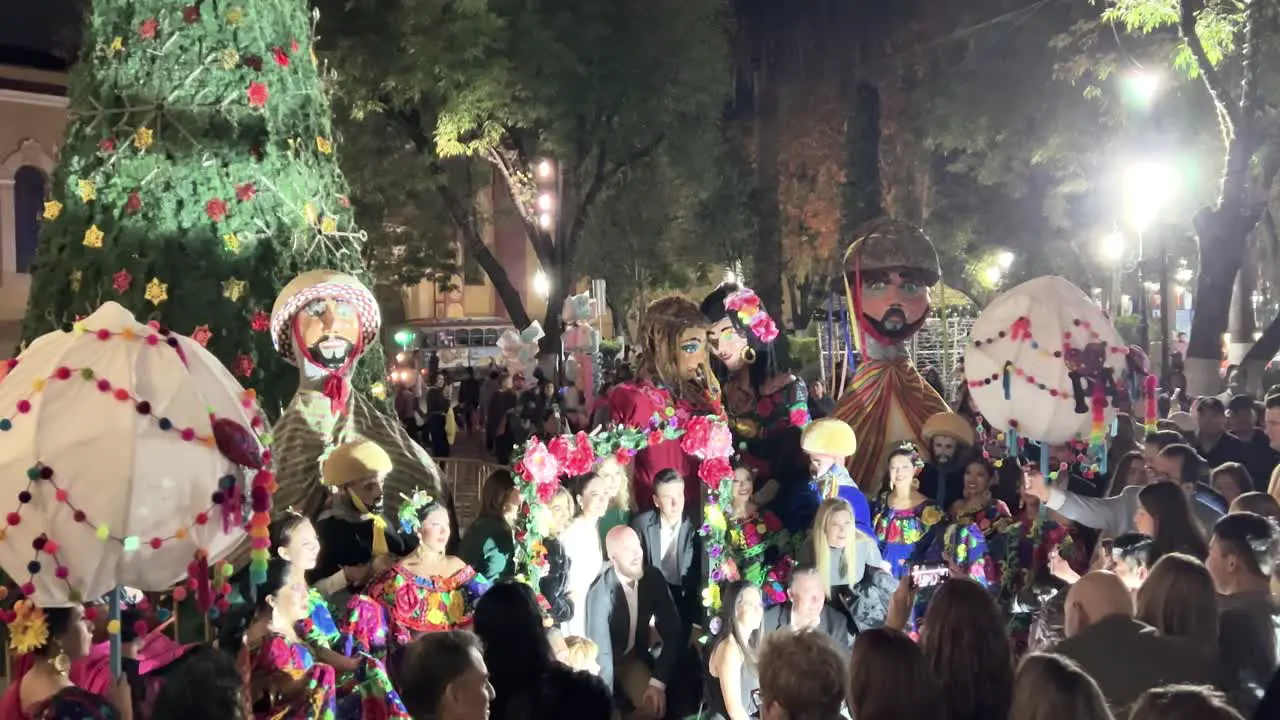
(691, 352)
(329, 332)
(894, 301)
(728, 344)
(943, 448)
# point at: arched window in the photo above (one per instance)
(28, 202)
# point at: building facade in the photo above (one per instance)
(33, 118)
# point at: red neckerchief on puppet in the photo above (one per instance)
(336, 386)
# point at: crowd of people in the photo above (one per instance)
(960, 584)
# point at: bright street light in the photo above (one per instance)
(545, 170)
(1183, 275)
(1144, 85)
(544, 221)
(1111, 248)
(541, 284)
(1148, 187)
(545, 202)
(1004, 259)
(992, 275)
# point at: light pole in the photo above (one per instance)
(1148, 186)
(1111, 249)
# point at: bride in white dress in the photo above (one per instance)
(581, 541)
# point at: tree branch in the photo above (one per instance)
(601, 178)
(1227, 115)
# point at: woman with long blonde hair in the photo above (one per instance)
(849, 563)
(673, 380)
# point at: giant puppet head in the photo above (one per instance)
(673, 340)
(322, 322)
(888, 270)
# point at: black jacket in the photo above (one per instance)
(608, 621)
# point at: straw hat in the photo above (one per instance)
(829, 436)
(354, 461)
(948, 424)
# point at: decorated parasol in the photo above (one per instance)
(130, 457)
(1045, 363)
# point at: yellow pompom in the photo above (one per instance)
(113, 627)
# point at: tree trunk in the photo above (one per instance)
(863, 193)
(619, 316)
(766, 280)
(1240, 320)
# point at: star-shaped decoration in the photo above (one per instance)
(52, 210)
(93, 237)
(157, 292)
(233, 289)
(231, 242)
(121, 281)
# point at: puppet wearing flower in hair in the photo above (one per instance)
(428, 591)
(322, 322)
(673, 383)
(40, 688)
(767, 406)
(888, 269)
(829, 443)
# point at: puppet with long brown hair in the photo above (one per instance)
(673, 379)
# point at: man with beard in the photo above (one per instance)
(322, 323)
(355, 538)
(888, 269)
(949, 438)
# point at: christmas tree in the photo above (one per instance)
(198, 177)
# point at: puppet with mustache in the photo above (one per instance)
(888, 269)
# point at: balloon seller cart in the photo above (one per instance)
(129, 458)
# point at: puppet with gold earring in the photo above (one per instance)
(887, 271)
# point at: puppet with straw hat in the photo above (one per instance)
(887, 271)
(830, 443)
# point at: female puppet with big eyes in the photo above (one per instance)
(767, 406)
(673, 374)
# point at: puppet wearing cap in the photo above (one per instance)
(355, 538)
(322, 323)
(830, 443)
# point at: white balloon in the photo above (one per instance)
(113, 462)
(1040, 402)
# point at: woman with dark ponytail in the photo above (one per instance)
(768, 406)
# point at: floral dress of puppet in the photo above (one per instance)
(368, 692)
(649, 406)
(398, 606)
(276, 660)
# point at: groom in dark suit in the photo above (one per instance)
(621, 605)
(671, 543)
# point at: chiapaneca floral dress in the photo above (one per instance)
(398, 606)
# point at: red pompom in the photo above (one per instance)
(90, 613)
(179, 594)
(237, 444)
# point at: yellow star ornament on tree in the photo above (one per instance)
(93, 237)
(157, 292)
(52, 210)
(88, 191)
(232, 289)
(143, 137)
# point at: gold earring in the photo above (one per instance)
(61, 662)
(915, 483)
(748, 355)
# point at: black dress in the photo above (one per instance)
(555, 584)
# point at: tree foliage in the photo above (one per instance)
(596, 87)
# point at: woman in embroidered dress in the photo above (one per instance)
(582, 546)
(294, 540)
(767, 406)
(285, 681)
(758, 545)
(979, 507)
(428, 591)
(40, 687)
(672, 384)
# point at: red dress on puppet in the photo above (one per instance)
(644, 404)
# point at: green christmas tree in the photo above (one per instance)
(198, 177)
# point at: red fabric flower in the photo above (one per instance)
(280, 56)
(244, 365)
(765, 406)
(133, 204)
(407, 602)
(771, 522)
(799, 417)
(216, 209)
(190, 14)
(713, 470)
(656, 437)
(246, 192)
(148, 29)
(623, 456)
(107, 145)
(696, 434)
(293, 45)
(121, 281)
(258, 94)
(261, 321)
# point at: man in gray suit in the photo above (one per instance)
(622, 604)
(1114, 515)
(671, 544)
(807, 609)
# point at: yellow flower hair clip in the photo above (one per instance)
(28, 630)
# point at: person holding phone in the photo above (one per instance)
(848, 562)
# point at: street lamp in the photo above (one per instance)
(541, 284)
(1143, 86)
(545, 169)
(992, 274)
(1149, 185)
(1004, 260)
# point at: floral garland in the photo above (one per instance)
(751, 313)
(540, 467)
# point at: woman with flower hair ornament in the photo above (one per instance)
(767, 406)
(673, 384)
